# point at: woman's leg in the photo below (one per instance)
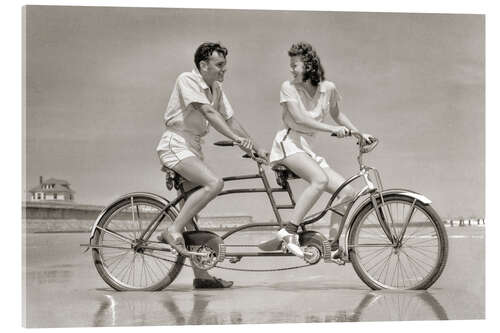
(334, 182)
(346, 195)
(309, 170)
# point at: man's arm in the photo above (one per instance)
(236, 126)
(220, 125)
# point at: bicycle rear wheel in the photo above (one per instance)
(122, 258)
(416, 262)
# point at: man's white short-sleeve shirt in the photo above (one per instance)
(191, 88)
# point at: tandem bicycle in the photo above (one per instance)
(393, 238)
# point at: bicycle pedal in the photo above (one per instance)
(337, 257)
(234, 260)
(284, 248)
(338, 261)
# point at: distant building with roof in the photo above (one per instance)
(52, 190)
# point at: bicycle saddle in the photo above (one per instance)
(173, 179)
(283, 174)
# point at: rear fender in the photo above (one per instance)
(128, 197)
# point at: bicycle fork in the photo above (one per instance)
(379, 208)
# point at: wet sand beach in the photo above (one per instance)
(65, 290)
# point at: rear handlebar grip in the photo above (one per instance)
(224, 143)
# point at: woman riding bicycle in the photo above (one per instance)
(305, 101)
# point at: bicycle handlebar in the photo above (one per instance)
(252, 155)
(363, 147)
(225, 143)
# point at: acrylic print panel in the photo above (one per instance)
(97, 84)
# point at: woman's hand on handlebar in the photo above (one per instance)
(340, 131)
(368, 138)
(363, 138)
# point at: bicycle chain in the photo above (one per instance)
(240, 269)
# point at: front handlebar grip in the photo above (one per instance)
(349, 133)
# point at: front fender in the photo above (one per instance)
(420, 197)
(125, 197)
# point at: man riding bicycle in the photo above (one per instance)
(198, 101)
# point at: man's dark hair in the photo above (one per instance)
(312, 64)
(205, 50)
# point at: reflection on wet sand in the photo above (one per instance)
(122, 309)
(395, 306)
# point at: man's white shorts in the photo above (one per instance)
(173, 148)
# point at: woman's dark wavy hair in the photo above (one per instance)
(312, 63)
(205, 50)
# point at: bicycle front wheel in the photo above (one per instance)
(123, 258)
(416, 258)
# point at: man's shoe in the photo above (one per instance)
(291, 241)
(213, 283)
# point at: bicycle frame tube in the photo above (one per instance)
(158, 219)
(332, 198)
(363, 173)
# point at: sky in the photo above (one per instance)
(98, 81)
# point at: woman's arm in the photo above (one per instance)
(341, 119)
(303, 120)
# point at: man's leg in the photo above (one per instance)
(196, 172)
(202, 278)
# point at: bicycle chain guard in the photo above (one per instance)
(317, 244)
(208, 243)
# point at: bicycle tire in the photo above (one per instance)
(424, 246)
(126, 269)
